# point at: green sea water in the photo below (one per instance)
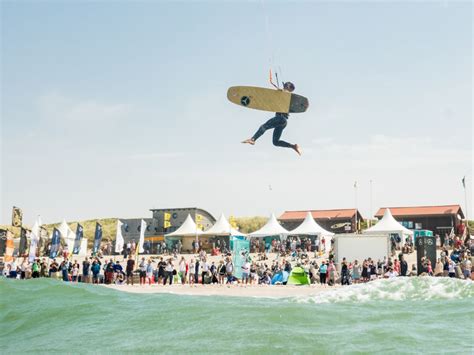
(404, 315)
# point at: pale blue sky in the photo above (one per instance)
(112, 108)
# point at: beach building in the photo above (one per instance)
(335, 221)
(164, 221)
(439, 219)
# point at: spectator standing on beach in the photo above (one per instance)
(149, 272)
(35, 269)
(467, 267)
(403, 266)
(64, 270)
(75, 271)
(169, 271)
(221, 272)
(95, 268)
(229, 268)
(196, 271)
(356, 272)
(43, 268)
(109, 272)
(192, 270)
(438, 271)
(323, 272)
(129, 269)
(53, 269)
(204, 269)
(142, 267)
(86, 270)
(245, 272)
(331, 273)
(182, 270)
(128, 249)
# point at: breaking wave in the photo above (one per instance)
(397, 289)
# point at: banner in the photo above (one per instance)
(34, 239)
(142, 237)
(119, 242)
(97, 238)
(17, 217)
(240, 253)
(167, 220)
(23, 242)
(77, 241)
(9, 247)
(55, 242)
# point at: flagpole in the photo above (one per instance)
(465, 202)
(371, 215)
(355, 193)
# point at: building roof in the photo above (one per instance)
(319, 214)
(422, 211)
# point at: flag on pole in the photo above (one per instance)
(142, 237)
(119, 238)
(77, 241)
(23, 242)
(34, 239)
(97, 238)
(17, 217)
(464, 182)
(55, 242)
(9, 247)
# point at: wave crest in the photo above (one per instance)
(397, 289)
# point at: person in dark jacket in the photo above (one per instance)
(403, 265)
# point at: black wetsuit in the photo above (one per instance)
(278, 123)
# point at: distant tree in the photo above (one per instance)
(250, 224)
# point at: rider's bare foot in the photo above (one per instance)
(297, 149)
(249, 141)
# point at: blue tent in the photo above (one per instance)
(280, 277)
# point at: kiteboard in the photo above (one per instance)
(267, 99)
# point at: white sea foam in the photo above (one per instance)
(397, 289)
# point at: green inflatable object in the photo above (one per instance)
(298, 277)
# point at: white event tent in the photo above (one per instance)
(271, 228)
(310, 227)
(187, 229)
(222, 228)
(388, 225)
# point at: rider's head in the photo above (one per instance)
(289, 86)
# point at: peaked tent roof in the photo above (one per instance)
(223, 228)
(188, 228)
(388, 224)
(310, 227)
(271, 228)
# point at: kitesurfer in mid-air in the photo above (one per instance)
(278, 123)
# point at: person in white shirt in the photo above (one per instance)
(169, 269)
(204, 269)
(182, 270)
(245, 272)
(391, 273)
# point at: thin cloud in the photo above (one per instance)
(54, 106)
(157, 155)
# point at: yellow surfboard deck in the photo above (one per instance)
(267, 99)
